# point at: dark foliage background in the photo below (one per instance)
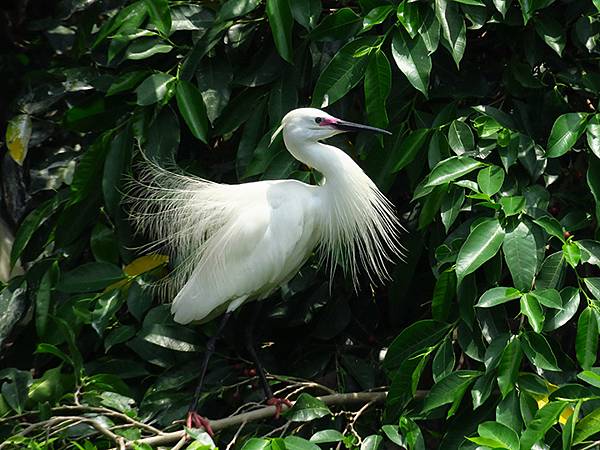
(491, 325)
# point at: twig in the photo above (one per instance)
(235, 436)
(58, 419)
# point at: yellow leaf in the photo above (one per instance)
(144, 264)
(18, 134)
(564, 416)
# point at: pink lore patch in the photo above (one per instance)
(327, 121)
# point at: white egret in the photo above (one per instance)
(236, 243)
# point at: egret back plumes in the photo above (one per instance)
(233, 243)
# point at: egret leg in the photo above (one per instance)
(249, 335)
(210, 349)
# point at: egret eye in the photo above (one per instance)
(319, 119)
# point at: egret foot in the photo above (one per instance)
(195, 420)
(278, 403)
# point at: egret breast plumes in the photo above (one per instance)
(237, 242)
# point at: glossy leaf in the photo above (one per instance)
(490, 179)
(191, 106)
(306, 408)
(378, 84)
(153, 89)
(530, 307)
(160, 15)
(541, 423)
(520, 249)
(342, 24)
(89, 277)
(586, 340)
(497, 296)
(412, 58)
(508, 369)
(409, 146)
(460, 137)
(343, 72)
(281, 21)
(451, 169)
(450, 389)
(565, 132)
(453, 28)
(481, 245)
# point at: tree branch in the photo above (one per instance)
(265, 413)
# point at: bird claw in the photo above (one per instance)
(278, 403)
(195, 420)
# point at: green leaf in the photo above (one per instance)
(460, 137)
(586, 340)
(453, 28)
(593, 284)
(490, 179)
(587, 426)
(412, 58)
(191, 106)
(481, 245)
(443, 361)
(43, 298)
(376, 16)
(413, 339)
(341, 25)
(530, 307)
(551, 226)
(15, 391)
(593, 181)
(570, 304)
(552, 272)
(160, 15)
(512, 205)
(163, 138)
(593, 134)
(497, 296)
(538, 351)
(443, 293)
(256, 443)
(146, 47)
(520, 249)
(89, 277)
(552, 32)
(451, 205)
(344, 71)
(548, 297)
(571, 253)
(306, 12)
(591, 376)
(565, 132)
(500, 433)
(371, 442)
(326, 436)
(408, 147)
(408, 15)
(451, 169)
(391, 431)
(541, 423)
(232, 9)
(298, 443)
(281, 22)
(153, 89)
(306, 408)
(508, 368)
(450, 389)
(378, 84)
(116, 165)
(31, 223)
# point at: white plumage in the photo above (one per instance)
(235, 243)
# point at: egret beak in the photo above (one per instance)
(342, 125)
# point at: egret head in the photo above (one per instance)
(312, 124)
